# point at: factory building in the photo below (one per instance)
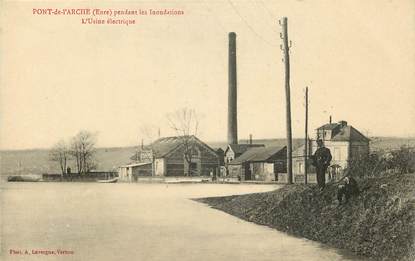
(166, 158)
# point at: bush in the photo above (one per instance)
(396, 161)
(402, 160)
(367, 166)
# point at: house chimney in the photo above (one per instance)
(330, 119)
(343, 123)
(250, 139)
(232, 92)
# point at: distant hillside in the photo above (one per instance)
(390, 143)
(37, 161)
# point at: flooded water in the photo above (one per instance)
(92, 221)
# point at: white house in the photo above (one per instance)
(344, 142)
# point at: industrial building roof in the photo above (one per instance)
(135, 164)
(164, 146)
(241, 148)
(261, 154)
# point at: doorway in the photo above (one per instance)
(248, 174)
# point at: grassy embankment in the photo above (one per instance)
(379, 223)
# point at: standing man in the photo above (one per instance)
(321, 160)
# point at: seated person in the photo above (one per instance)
(347, 190)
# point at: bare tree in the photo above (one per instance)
(83, 151)
(60, 153)
(185, 122)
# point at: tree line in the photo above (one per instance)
(80, 150)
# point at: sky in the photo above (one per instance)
(59, 76)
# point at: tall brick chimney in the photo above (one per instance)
(232, 92)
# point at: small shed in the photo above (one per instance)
(259, 163)
(130, 172)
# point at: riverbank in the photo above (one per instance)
(379, 223)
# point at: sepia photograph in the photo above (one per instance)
(161, 130)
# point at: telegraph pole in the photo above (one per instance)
(306, 138)
(286, 50)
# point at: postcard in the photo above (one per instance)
(207, 130)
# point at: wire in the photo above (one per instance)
(248, 25)
(266, 8)
(268, 12)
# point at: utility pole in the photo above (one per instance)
(306, 138)
(286, 50)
